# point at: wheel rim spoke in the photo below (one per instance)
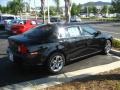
(56, 63)
(108, 46)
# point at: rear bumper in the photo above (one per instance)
(28, 59)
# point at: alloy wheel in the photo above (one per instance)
(57, 63)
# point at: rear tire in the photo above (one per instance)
(55, 63)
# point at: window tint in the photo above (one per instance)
(87, 30)
(40, 32)
(74, 31)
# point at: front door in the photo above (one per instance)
(77, 43)
(92, 41)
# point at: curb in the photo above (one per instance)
(115, 52)
(42, 83)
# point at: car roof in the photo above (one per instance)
(68, 24)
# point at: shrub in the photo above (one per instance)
(116, 43)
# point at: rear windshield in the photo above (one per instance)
(43, 31)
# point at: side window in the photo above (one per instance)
(63, 33)
(86, 30)
(74, 31)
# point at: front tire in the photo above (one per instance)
(56, 62)
(107, 48)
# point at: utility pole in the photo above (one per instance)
(107, 13)
(87, 11)
(30, 6)
(43, 9)
(25, 9)
(35, 11)
(48, 11)
(67, 10)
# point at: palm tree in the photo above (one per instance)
(58, 5)
(67, 10)
(43, 9)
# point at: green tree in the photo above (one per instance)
(52, 11)
(15, 6)
(111, 9)
(76, 9)
(4, 9)
(79, 8)
(58, 5)
(116, 6)
(95, 10)
(104, 9)
(0, 7)
(90, 9)
(84, 10)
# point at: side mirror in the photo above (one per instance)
(97, 33)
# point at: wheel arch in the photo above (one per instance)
(56, 51)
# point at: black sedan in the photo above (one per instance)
(52, 45)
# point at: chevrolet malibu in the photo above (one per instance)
(53, 45)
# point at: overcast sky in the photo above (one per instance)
(37, 2)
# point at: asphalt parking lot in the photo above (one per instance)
(111, 28)
(12, 75)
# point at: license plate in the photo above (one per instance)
(10, 55)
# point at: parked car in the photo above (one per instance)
(6, 18)
(23, 26)
(10, 24)
(75, 19)
(53, 45)
(55, 19)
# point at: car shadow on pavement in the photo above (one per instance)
(9, 74)
(4, 35)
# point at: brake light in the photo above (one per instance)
(23, 49)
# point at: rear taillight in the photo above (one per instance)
(22, 49)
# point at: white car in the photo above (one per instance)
(75, 19)
(6, 18)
